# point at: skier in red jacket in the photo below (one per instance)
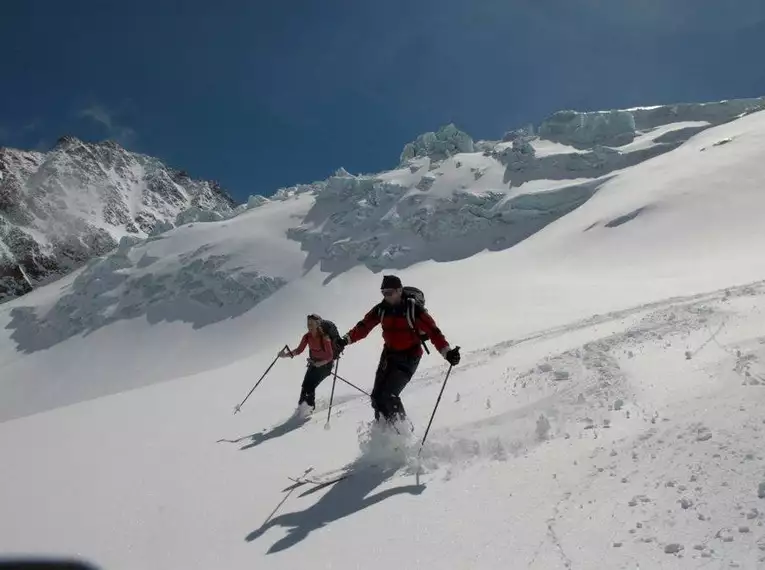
(402, 348)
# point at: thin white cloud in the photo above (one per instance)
(100, 114)
(31, 126)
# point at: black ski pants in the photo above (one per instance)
(393, 374)
(313, 377)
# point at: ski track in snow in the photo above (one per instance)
(667, 323)
(593, 371)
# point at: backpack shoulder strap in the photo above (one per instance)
(413, 310)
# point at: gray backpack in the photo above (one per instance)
(330, 329)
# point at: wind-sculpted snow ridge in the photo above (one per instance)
(59, 209)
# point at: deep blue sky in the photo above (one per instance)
(261, 94)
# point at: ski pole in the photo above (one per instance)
(239, 407)
(332, 394)
(438, 401)
(353, 385)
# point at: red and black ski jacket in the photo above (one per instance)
(397, 333)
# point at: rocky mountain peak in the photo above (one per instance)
(60, 208)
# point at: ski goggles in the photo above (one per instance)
(387, 292)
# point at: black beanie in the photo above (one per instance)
(391, 282)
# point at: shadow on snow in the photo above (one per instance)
(344, 498)
(291, 424)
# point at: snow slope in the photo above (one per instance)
(187, 284)
(606, 411)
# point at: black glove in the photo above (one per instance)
(343, 341)
(453, 356)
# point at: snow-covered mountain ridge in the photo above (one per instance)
(59, 209)
(448, 188)
(62, 208)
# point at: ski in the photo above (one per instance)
(326, 478)
(319, 482)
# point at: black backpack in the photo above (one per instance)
(413, 297)
(330, 329)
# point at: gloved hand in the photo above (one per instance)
(344, 341)
(453, 356)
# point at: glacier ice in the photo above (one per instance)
(160, 228)
(197, 215)
(381, 224)
(619, 127)
(440, 145)
(613, 128)
(256, 201)
(204, 289)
